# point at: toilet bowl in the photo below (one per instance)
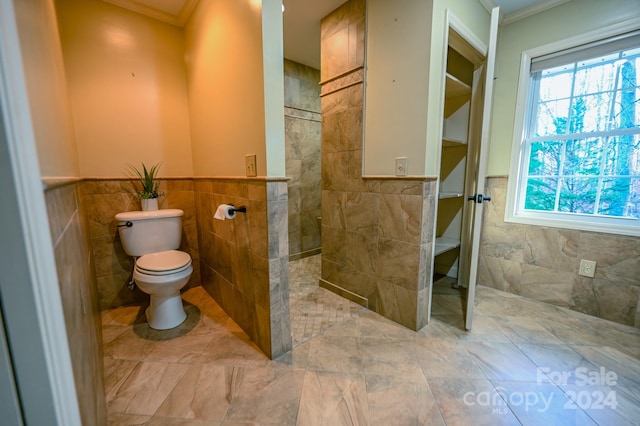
(161, 271)
(162, 275)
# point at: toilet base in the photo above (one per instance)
(165, 312)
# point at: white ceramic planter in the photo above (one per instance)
(149, 204)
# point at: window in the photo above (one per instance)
(580, 145)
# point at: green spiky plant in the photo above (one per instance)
(148, 179)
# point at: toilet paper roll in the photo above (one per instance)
(225, 211)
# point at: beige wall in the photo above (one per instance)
(44, 73)
(145, 91)
(405, 62)
(226, 87)
(398, 35)
(128, 89)
(568, 20)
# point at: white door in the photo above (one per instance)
(9, 405)
(477, 197)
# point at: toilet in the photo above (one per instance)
(160, 270)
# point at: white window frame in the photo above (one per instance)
(585, 222)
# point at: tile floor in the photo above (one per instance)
(524, 362)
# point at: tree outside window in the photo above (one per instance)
(582, 144)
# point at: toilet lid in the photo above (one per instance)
(164, 262)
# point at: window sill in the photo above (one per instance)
(606, 227)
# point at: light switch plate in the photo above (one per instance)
(250, 162)
(401, 166)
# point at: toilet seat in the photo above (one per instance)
(163, 263)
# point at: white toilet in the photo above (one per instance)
(152, 237)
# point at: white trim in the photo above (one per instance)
(458, 26)
(38, 294)
(518, 137)
(521, 13)
(519, 129)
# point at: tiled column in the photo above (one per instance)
(244, 260)
(377, 232)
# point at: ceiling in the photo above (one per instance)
(301, 19)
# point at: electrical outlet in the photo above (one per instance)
(250, 165)
(401, 166)
(587, 268)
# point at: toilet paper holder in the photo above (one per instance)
(241, 209)
(228, 211)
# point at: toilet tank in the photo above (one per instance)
(150, 231)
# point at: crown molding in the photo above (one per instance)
(538, 7)
(145, 9)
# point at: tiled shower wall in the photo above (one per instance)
(245, 260)
(542, 263)
(303, 157)
(79, 297)
(103, 199)
(377, 233)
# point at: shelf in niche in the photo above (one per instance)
(456, 87)
(457, 94)
(451, 142)
(444, 244)
(442, 195)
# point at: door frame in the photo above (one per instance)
(29, 290)
(480, 51)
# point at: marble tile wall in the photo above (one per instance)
(377, 233)
(103, 198)
(303, 157)
(377, 245)
(342, 40)
(245, 260)
(542, 263)
(79, 294)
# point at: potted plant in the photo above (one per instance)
(148, 179)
